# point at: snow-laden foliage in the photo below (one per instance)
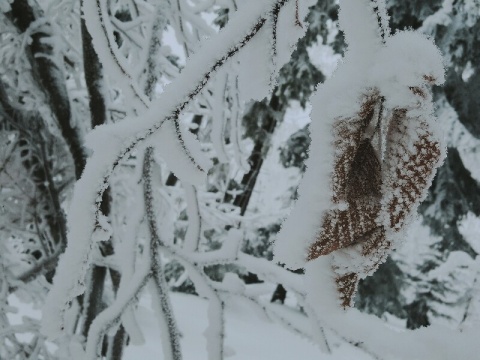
(378, 147)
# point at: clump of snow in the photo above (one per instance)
(404, 62)
(323, 57)
(103, 230)
(469, 227)
(5, 6)
(468, 71)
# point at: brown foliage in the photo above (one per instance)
(366, 190)
(409, 167)
(347, 287)
(356, 183)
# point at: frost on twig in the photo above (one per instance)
(171, 342)
(100, 28)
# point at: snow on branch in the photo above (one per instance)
(205, 287)
(151, 270)
(111, 316)
(192, 237)
(271, 272)
(96, 18)
(170, 338)
(111, 143)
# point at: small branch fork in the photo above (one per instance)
(151, 269)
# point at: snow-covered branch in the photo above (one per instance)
(112, 143)
(171, 342)
(111, 316)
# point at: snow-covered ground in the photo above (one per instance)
(250, 335)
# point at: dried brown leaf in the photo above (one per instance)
(412, 156)
(356, 184)
(347, 288)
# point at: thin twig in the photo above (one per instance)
(173, 342)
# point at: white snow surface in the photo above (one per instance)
(249, 334)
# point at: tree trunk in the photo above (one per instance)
(49, 76)
(270, 114)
